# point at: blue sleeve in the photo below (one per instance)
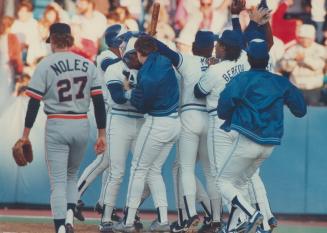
(228, 99)
(237, 28)
(254, 31)
(198, 93)
(167, 52)
(107, 62)
(294, 100)
(117, 92)
(143, 96)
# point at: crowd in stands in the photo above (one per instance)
(300, 35)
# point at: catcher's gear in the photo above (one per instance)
(22, 152)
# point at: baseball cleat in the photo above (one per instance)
(273, 223)
(192, 224)
(98, 208)
(137, 223)
(106, 227)
(69, 228)
(256, 221)
(78, 214)
(62, 229)
(241, 227)
(115, 217)
(121, 227)
(212, 227)
(156, 226)
(175, 227)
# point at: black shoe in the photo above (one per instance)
(98, 208)
(69, 228)
(210, 228)
(115, 217)
(137, 223)
(78, 214)
(175, 227)
(273, 223)
(106, 227)
(192, 224)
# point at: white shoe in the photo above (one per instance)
(62, 229)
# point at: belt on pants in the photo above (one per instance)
(67, 116)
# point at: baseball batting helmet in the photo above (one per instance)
(115, 35)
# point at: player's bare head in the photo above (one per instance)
(60, 36)
(203, 44)
(229, 46)
(145, 45)
(258, 54)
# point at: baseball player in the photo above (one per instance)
(124, 122)
(115, 35)
(192, 144)
(258, 28)
(156, 94)
(252, 107)
(65, 82)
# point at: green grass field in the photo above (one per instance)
(283, 228)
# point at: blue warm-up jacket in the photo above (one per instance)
(156, 92)
(252, 104)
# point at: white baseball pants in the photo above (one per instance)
(153, 144)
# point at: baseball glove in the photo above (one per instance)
(22, 152)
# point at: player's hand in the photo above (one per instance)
(100, 145)
(299, 57)
(127, 85)
(259, 15)
(237, 6)
(101, 142)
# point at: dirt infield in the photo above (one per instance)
(40, 221)
(6, 227)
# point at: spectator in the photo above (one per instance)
(82, 46)
(318, 12)
(305, 61)
(10, 54)
(134, 7)
(21, 85)
(126, 19)
(184, 43)
(26, 28)
(283, 28)
(165, 32)
(93, 23)
(50, 16)
(207, 17)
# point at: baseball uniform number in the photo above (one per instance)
(65, 85)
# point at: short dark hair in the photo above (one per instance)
(232, 53)
(258, 63)
(203, 52)
(145, 45)
(62, 40)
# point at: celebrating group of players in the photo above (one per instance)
(225, 112)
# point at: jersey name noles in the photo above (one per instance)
(69, 65)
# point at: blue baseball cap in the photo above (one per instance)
(204, 39)
(258, 49)
(231, 38)
(115, 35)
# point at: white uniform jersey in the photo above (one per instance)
(191, 68)
(65, 82)
(118, 73)
(217, 76)
(103, 60)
